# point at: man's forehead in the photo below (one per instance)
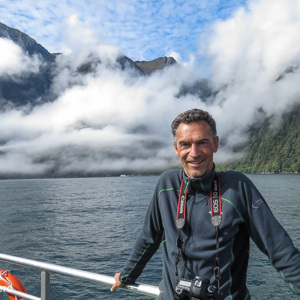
(197, 128)
(196, 133)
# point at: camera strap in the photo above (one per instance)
(181, 208)
(216, 219)
(180, 219)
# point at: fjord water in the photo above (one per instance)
(91, 224)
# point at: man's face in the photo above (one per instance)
(195, 147)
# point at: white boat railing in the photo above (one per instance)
(47, 268)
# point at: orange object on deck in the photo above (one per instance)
(11, 281)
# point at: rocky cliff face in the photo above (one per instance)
(26, 87)
(157, 64)
(35, 88)
(27, 43)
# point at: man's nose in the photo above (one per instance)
(195, 150)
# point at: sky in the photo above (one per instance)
(113, 120)
(143, 30)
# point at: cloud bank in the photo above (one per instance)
(114, 121)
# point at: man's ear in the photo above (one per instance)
(216, 144)
(176, 149)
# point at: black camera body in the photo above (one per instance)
(196, 289)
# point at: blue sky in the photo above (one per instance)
(143, 29)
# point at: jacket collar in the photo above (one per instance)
(202, 184)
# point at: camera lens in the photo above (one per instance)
(211, 289)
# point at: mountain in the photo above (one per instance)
(273, 149)
(26, 87)
(149, 67)
(269, 150)
(27, 43)
(34, 88)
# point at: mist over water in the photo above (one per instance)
(113, 120)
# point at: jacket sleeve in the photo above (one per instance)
(147, 243)
(271, 238)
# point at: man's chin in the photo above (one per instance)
(195, 173)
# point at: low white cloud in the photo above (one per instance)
(13, 61)
(255, 59)
(105, 121)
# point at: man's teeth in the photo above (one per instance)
(196, 162)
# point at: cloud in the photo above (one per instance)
(103, 122)
(13, 61)
(111, 120)
(260, 41)
(255, 59)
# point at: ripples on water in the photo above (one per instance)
(91, 224)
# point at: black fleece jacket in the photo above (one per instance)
(245, 214)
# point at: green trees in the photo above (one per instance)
(273, 149)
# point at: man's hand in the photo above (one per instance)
(117, 283)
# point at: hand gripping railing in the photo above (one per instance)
(45, 268)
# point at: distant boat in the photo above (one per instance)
(122, 175)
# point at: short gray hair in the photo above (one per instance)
(193, 116)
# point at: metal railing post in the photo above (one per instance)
(45, 286)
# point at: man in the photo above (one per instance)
(204, 220)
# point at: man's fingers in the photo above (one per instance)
(113, 287)
(117, 282)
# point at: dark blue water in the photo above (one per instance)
(91, 224)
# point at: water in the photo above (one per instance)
(91, 224)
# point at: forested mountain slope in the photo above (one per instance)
(273, 149)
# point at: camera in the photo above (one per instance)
(196, 289)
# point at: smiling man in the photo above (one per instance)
(195, 144)
(204, 221)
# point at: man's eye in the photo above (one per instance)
(184, 146)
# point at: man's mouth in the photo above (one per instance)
(195, 163)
